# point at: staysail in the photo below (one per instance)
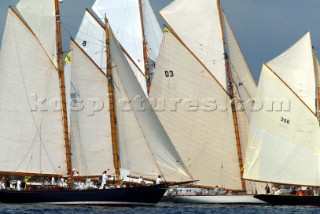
(32, 139)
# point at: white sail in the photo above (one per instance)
(91, 38)
(135, 154)
(124, 19)
(31, 136)
(296, 67)
(152, 30)
(91, 143)
(200, 29)
(245, 85)
(283, 144)
(203, 134)
(165, 155)
(40, 16)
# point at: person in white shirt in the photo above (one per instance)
(18, 185)
(158, 181)
(53, 182)
(277, 192)
(104, 179)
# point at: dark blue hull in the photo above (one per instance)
(290, 199)
(145, 195)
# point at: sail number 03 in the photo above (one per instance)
(284, 120)
(168, 73)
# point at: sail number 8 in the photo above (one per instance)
(284, 120)
(168, 73)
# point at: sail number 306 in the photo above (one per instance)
(168, 73)
(285, 120)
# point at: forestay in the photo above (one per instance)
(197, 116)
(32, 139)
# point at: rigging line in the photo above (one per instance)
(73, 75)
(121, 118)
(77, 31)
(23, 80)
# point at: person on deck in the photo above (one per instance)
(158, 181)
(18, 185)
(267, 189)
(104, 179)
(277, 192)
(141, 181)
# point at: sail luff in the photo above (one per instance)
(63, 94)
(145, 53)
(233, 107)
(112, 105)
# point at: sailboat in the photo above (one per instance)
(197, 90)
(283, 145)
(35, 131)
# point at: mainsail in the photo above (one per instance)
(284, 135)
(32, 139)
(200, 123)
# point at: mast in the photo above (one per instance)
(63, 94)
(114, 134)
(316, 66)
(145, 53)
(233, 106)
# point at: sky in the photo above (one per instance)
(263, 28)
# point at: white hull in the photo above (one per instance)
(214, 199)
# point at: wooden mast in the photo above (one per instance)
(233, 105)
(112, 106)
(145, 52)
(63, 94)
(316, 66)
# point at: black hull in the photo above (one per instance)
(290, 199)
(131, 196)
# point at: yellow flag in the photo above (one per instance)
(166, 30)
(26, 178)
(68, 58)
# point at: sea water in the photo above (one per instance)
(159, 208)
